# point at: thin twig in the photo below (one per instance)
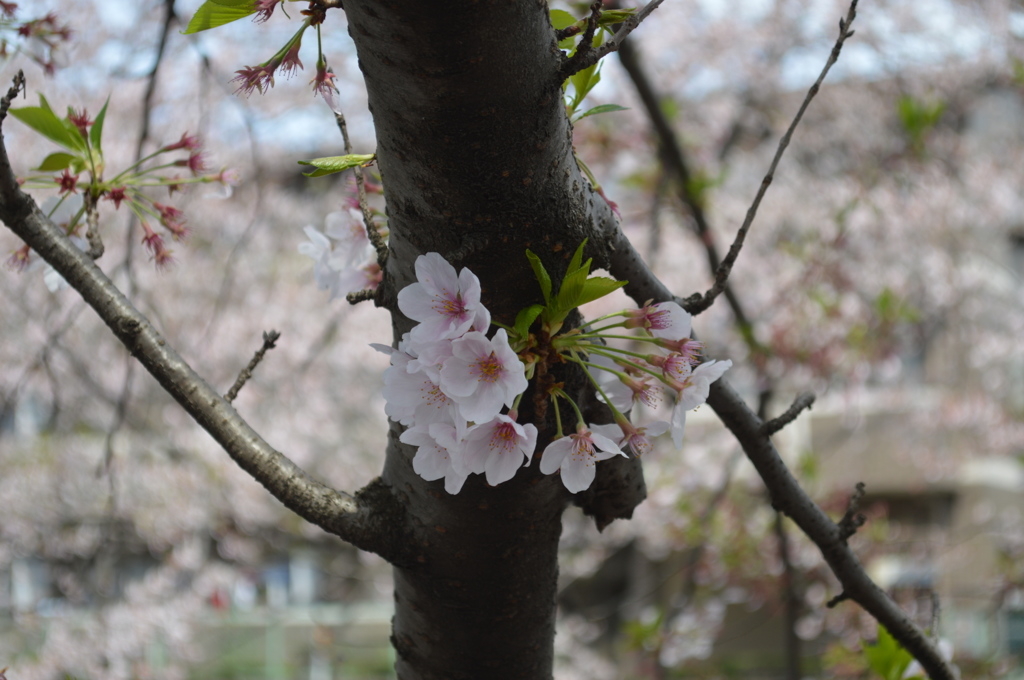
(575, 65)
(852, 518)
(12, 93)
(269, 342)
(673, 157)
(786, 493)
(364, 295)
(372, 232)
(696, 303)
(803, 401)
(586, 44)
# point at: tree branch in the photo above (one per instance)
(696, 303)
(270, 339)
(372, 520)
(790, 498)
(786, 493)
(803, 401)
(674, 159)
(585, 59)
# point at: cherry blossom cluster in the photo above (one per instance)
(344, 259)
(39, 38)
(457, 390)
(285, 61)
(448, 383)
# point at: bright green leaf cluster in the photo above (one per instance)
(578, 288)
(85, 149)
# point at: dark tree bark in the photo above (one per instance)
(475, 152)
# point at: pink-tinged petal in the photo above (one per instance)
(469, 284)
(529, 443)
(605, 445)
(670, 321)
(698, 385)
(610, 431)
(502, 468)
(578, 476)
(554, 454)
(678, 424)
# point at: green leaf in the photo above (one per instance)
(525, 319)
(57, 161)
(214, 13)
(583, 82)
(43, 120)
(597, 287)
(603, 108)
(886, 657)
(561, 19)
(569, 294)
(543, 278)
(332, 164)
(96, 132)
(610, 17)
(577, 258)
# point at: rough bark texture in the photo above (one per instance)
(475, 153)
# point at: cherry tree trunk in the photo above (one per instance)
(475, 153)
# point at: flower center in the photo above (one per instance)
(488, 368)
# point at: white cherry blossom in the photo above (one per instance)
(498, 447)
(576, 455)
(445, 305)
(693, 392)
(483, 375)
(438, 454)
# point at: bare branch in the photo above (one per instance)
(373, 519)
(695, 304)
(591, 57)
(673, 157)
(790, 498)
(802, 402)
(786, 493)
(269, 342)
(372, 233)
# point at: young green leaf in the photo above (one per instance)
(96, 131)
(603, 108)
(57, 161)
(610, 17)
(214, 13)
(525, 319)
(886, 657)
(597, 287)
(332, 164)
(543, 278)
(43, 120)
(561, 19)
(583, 82)
(570, 291)
(577, 258)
